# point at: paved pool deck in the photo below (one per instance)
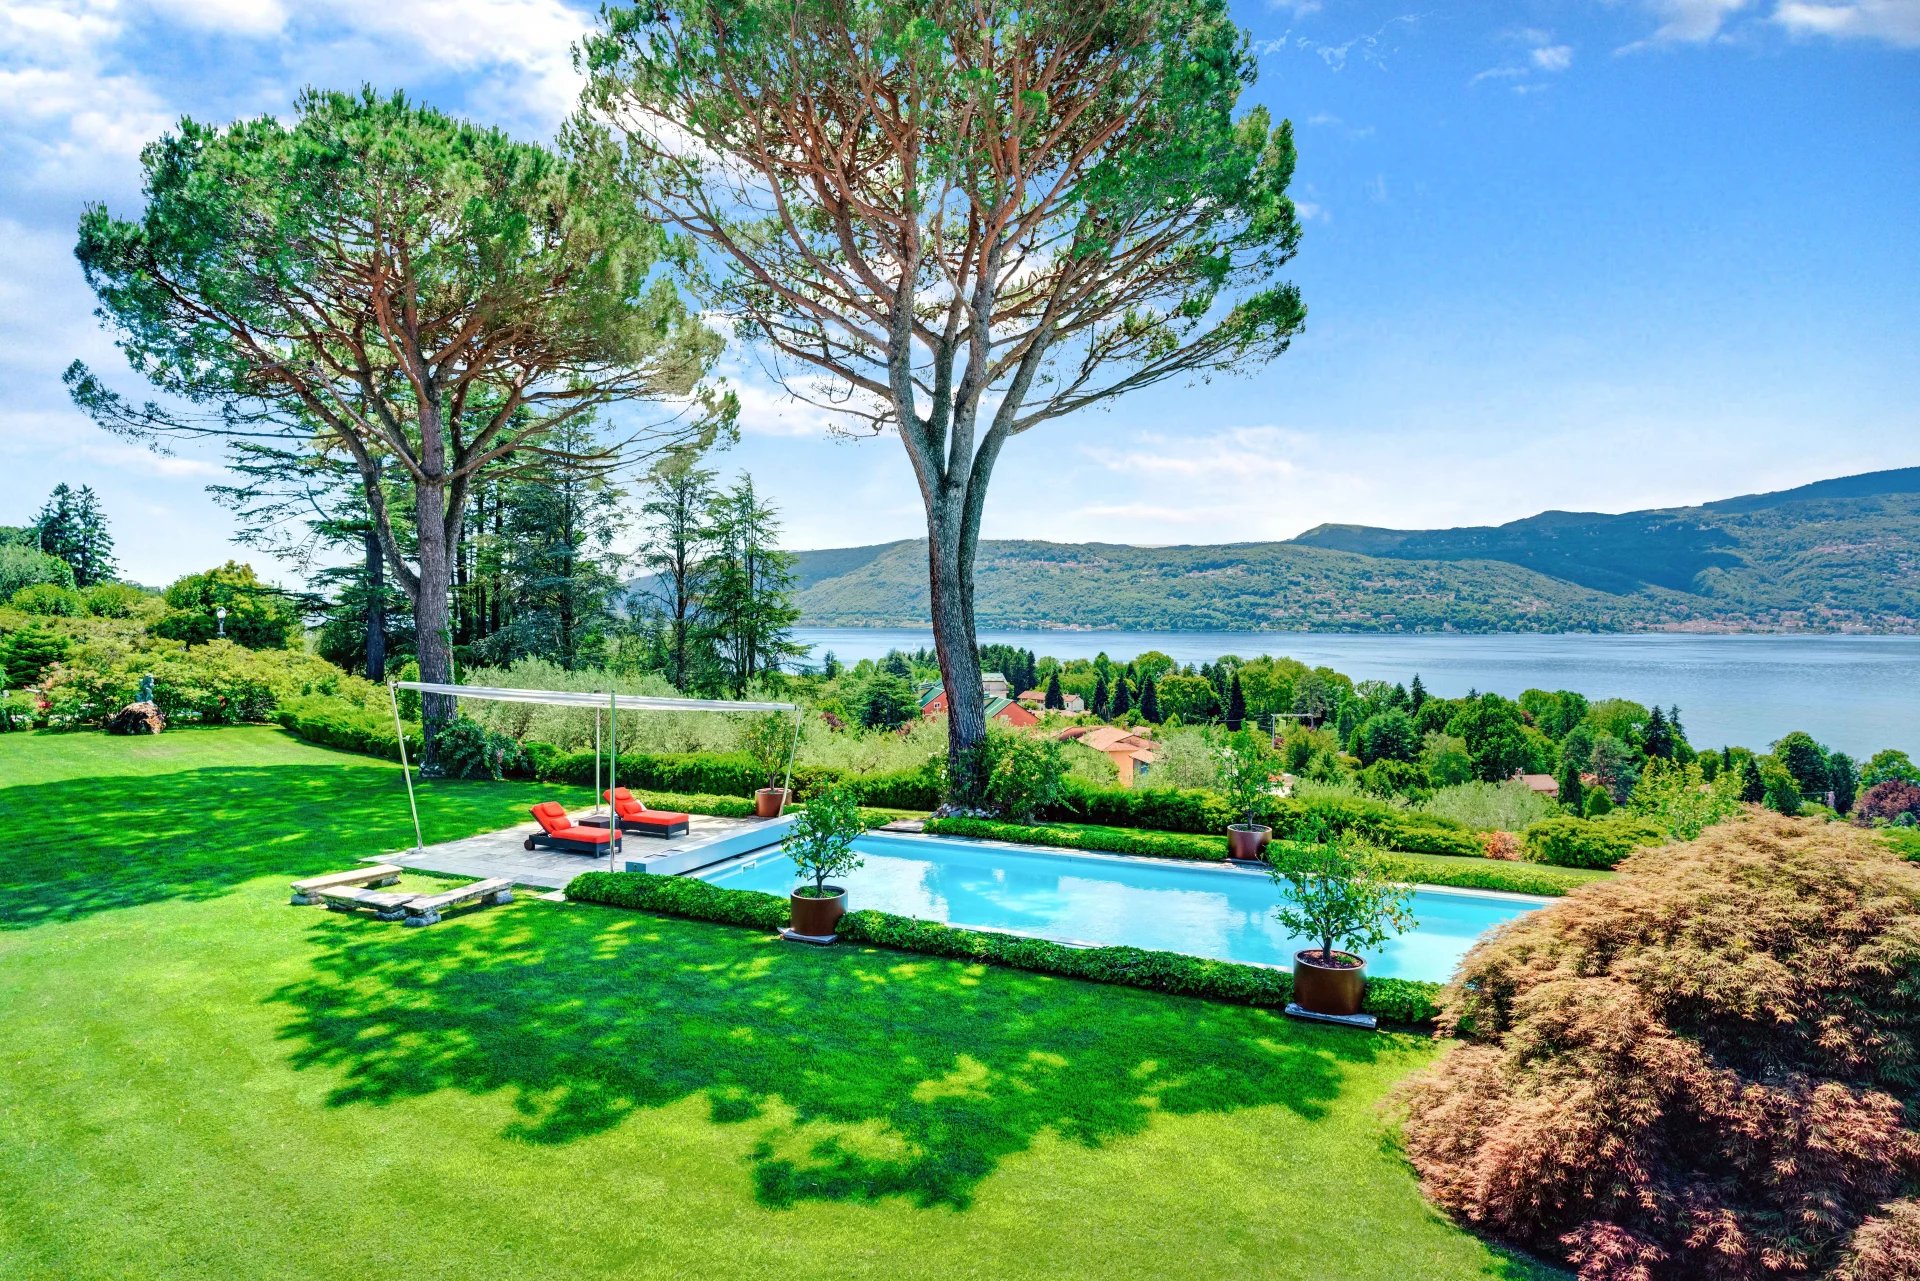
(504, 853)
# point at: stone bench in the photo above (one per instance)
(309, 890)
(425, 909)
(387, 905)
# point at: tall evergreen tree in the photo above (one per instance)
(1149, 702)
(1416, 695)
(1056, 700)
(1753, 788)
(1572, 789)
(1102, 695)
(1236, 705)
(678, 558)
(750, 600)
(1657, 739)
(72, 527)
(1122, 696)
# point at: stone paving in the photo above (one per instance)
(504, 853)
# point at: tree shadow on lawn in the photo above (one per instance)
(871, 1074)
(91, 845)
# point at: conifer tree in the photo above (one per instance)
(1122, 696)
(1101, 695)
(1236, 705)
(1416, 695)
(72, 527)
(1657, 739)
(1149, 702)
(1572, 790)
(1056, 701)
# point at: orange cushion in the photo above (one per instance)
(551, 815)
(585, 835)
(655, 818)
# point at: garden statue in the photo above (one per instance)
(142, 716)
(146, 689)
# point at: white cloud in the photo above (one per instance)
(1543, 57)
(1895, 21)
(1687, 21)
(1553, 57)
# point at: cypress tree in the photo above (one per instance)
(1122, 696)
(1572, 790)
(1101, 695)
(1055, 700)
(1149, 702)
(1236, 705)
(1416, 694)
(1753, 789)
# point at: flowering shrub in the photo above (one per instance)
(1500, 845)
(1695, 1069)
(469, 750)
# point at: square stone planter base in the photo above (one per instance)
(1364, 1021)
(818, 940)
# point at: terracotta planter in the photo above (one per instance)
(1248, 841)
(1328, 989)
(769, 801)
(816, 917)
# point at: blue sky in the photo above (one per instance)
(1561, 253)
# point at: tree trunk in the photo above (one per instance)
(376, 586)
(950, 594)
(432, 619)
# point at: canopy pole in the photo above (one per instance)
(596, 760)
(613, 772)
(406, 771)
(793, 749)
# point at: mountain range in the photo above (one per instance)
(1836, 555)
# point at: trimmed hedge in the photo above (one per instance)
(1166, 809)
(1395, 1000)
(1423, 869)
(350, 727)
(1114, 840)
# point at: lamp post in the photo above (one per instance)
(220, 620)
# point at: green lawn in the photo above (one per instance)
(197, 1080)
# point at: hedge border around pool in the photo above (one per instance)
(1403, 1001)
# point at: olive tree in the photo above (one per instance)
(957, 222)
(377, 282)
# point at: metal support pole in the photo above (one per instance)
(613, 779)
(596, 760)
(786, 787)
(406, 771)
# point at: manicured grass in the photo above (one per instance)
(197, 1080)
(1426, 869)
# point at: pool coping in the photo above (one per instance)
(1143, 860)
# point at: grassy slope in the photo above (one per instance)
(198, 1080)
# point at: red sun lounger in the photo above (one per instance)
(635, 817)
(558, 832)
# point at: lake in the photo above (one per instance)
(1854, 693)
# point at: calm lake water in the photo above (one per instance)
(1855, 693)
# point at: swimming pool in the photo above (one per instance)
(1202, 910)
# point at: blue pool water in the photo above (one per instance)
(1200, 910)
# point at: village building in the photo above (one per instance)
(1131, 752)
(933, 702)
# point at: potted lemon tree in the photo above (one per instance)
(1246, 775)
(1339, 891)
(769, 740)
(820, 843)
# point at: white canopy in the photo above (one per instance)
(580, 698)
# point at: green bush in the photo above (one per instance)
(218, 683)
(115, 600)
(1576, 842)
(1166, 809)
(469, 750)
(1396, 1000)
(26, 654)
(347, 726)
(49, 600)
(22, 566)
(1025, 773)
(1115, 840)
(680, 896)
(1383, 825)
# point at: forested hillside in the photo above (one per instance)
(1838, 555)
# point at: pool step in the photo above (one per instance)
(1364, 1021)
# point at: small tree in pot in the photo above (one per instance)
(769, 740)
(820, 843)
(1246, 775)
(1339, 891)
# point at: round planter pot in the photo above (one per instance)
(817, 917)
(1248, 841)
(769, 801)
(1328, 989)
